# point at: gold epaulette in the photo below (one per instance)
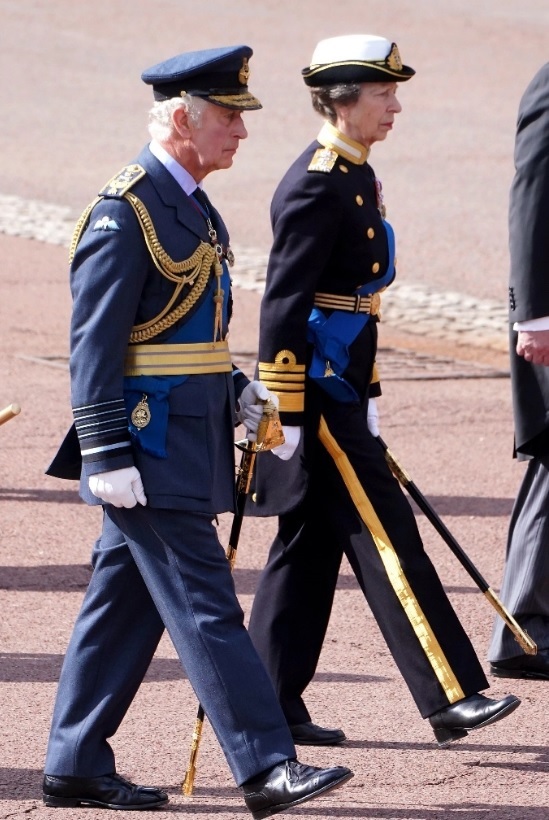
(323, 160)
(123, 181)
(285, 379)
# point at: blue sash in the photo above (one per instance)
(333, 335)
(152, 438)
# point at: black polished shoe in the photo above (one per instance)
(309, 734)
(474, 712)
(110, 791)
(288, 784)
(523, 666)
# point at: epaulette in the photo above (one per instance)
(323, 160)
(123, 181)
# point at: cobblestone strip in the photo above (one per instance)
(412, 308)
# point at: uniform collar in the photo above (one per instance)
(331, 137)
(180, 174)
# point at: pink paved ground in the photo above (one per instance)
(73, 113)
(453, 437)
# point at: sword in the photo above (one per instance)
(522, 637)
(269, 435)
(9, 412)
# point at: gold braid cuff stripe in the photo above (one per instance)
(288, 402)
(194, 271)
(393, 568)
(286, 379)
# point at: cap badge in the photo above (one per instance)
(244, 73)
(393, 60)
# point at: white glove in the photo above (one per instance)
(121, 488)
(373, 417)
(250, 407)
(285, 451)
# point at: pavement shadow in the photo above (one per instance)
(46, 577)
(21, 667)
(33, 494)
(246, 580)
(26, 667)
(470, 505)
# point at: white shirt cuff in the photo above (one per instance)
(533, 324)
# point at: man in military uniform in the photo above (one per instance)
(332, 254)
(154, 398)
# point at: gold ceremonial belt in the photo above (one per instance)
(178, 359)
(351, 304)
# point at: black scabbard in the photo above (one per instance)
(522, 637)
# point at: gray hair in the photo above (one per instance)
(160, 116)
(326, 98)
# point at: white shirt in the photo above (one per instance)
(180, 174)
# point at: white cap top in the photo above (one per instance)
(363, 47)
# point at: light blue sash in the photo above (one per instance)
(152, 438)
(333, 335)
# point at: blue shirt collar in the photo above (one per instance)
(180, 174)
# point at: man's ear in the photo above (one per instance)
(180, 119)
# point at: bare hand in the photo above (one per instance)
(533, 345)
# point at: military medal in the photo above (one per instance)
(229, 256)
(379, 197)
(141, 414)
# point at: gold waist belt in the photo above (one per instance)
(178, 359)
(351, 304)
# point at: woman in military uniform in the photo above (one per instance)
(332, 254)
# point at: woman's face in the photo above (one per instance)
(371, 118)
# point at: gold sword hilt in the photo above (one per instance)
(269, 431)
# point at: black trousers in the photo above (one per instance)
(354, 506)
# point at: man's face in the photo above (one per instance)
(371, 118)
(215, 140)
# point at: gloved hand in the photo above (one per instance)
(373, 417)
(250, 407)
(285, 451)
(121, 488)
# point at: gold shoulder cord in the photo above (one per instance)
(195, 270)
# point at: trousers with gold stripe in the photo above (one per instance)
(354, 506)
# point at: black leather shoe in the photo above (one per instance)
(288, 784)
(309, 734)
(107, 792)
(474, 712)
(523, 666)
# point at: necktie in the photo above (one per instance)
(201, 197)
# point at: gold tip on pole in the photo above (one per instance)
(188, 784)
(9, 412)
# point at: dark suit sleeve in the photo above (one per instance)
(304, 218)
(108, 274)
(529, 205)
